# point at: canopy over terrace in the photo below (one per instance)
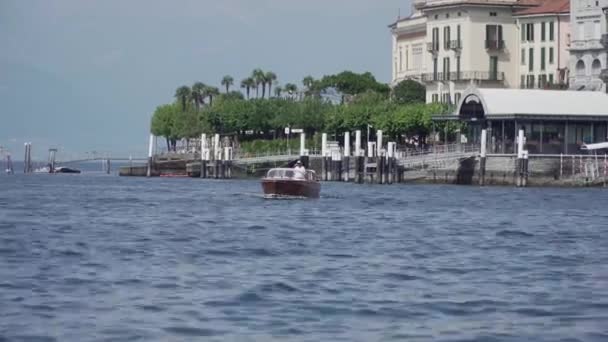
(554, 121)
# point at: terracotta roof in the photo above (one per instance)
(547, 6)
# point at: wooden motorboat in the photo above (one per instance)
(290, 183)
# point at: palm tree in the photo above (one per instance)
(260, 79)
(277, 91)
(211, 92)
(270, 77)
(197, 94)
(247, 84)
(183, 94)
(308, 81)
(291, 88)
(227, 82)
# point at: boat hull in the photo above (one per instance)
(291, 188)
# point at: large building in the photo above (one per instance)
(409, 44)
(544, 45)
(588, 55)
(488, 43)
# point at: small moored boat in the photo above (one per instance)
(290, 183)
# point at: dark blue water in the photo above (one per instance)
(102, 258)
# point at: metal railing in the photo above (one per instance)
(464, 76)
(432, 47)
(495, 44)
(455, 44)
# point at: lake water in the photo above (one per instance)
(93, 257)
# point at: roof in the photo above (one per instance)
(445, 3)
(541, 102)
(547, 7)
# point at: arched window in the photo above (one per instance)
(596, 67)
(580, 68)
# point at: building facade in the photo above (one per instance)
(409, 44)
(544, 45)
(588, 54)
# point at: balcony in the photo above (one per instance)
(432, 47)
(604, 40)
(464, 76)
(455, 44)
(589, 44)
(495, 45)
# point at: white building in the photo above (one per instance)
(543, 45)
(588, 56)
(409, 42)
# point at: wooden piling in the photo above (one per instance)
(482, 160)
(520, 159)
(150, 154)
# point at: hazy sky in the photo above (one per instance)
(86, 75)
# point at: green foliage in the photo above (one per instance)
(408, 91)
(350, 83)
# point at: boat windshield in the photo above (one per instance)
(291, 174)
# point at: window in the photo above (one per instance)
(407, 58)
(530, 32)
(436, 16)
(400, 59)
(551, 57)
(493, 14)
(542, 81)
(542, 58)
(530, 81)
(523, 56)
(457, 97)
(522, 28)
(522, 82)
(457, 67)
(494, 68)
(435, 98)
(446, 69)
(458, 34)
(446, 37)
(542, 31)
(531, 59)
(459, 14)
(551, 31)
(550, 78)
(494, 37)
(435, 69)
(436, 39)
(445, 98)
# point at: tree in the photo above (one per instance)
(409, 91)
(291, 89)
(211, 92)
(350, 83)
(277, 91)
(162, 122)
(270, 78)
(247, 84)
(197, 94)
(227, 82)
(260, 79)
(183, 94)
(308, 81)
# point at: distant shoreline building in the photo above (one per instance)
(497, 44)
(588, 52)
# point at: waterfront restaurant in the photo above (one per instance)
(554, 121)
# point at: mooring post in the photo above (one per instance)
(605, 168)
(25, 145)
(482, 160)
(561, 165)
(217, 156)
(346, 159)
(324, 165)
(389, 162)
(526, 169)
(108, 166)
(520, 157)
(204, 156)
(150, 153)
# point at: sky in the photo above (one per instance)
(86, 75)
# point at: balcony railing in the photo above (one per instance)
(455, 44)
(432, 47)
(604, 40)
(464, 76)
(495, 44)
